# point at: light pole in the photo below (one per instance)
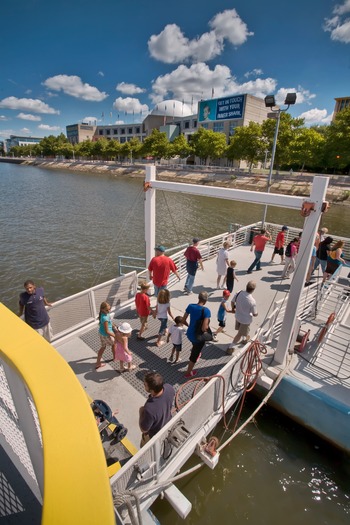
(276, 113)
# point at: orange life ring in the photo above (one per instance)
(325, 328)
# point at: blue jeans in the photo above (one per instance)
(189, 282)
(157, 288)
(163, 325)
(256, 261)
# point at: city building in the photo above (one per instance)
(15, 140)
(340, 103)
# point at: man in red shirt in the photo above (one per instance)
(159, 269)
(280, 240)
(259, 242)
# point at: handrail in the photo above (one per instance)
(76, 483)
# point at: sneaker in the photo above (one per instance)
(186, 292)
(171, 358)
(249, 271)
(215, 338)
(230, 350)
(191, 374)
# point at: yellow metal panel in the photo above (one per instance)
(76, 484)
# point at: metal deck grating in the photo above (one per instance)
(147, 356)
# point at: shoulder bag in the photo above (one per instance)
(201, 336)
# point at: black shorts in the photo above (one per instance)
(280, 251)
(196, 350)
(177, 348)
(222, 324)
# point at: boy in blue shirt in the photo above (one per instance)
(223, 309)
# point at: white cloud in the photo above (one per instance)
(5, 133)
(342, 9)
(101, 73)
(3, 118)
(198, 81)
(25, 131)
(27, 116)
(228, 25)
(28, 91)
(73, 85)
(339, 25)
(27, 104)
(46, 127)
(129, 89)
(303, 95)
(91, 120)
(130, 105)
(253, 73)
(172, 46)
(316, 116)
(119, 122)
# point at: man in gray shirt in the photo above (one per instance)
(244, 306)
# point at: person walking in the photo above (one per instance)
(143, 308)
(259, 243)
(196, 312)
(175, 333)
(159, 269)
(231, 276)
(223, 309)
(193, 260)
(121, 347)
(291, 253)
(105, 332)
(244, 306)
(162, 312)
(156, 412)
(322, 253)
(222, 263)
(279, 244)
(32, 302)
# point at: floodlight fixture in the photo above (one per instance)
(290, 99)
(270, 101)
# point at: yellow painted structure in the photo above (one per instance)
(76, 482)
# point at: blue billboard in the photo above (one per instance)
(226, 108)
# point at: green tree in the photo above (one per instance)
(99, 148)
(287, 132)
(180, 147)
(208, 144)
(338, 141)
(247, 144)
(84, 149)
(131, 149)
(306, 148)
(156, 145)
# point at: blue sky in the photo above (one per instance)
(69, 61)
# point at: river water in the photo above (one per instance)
(65, 231)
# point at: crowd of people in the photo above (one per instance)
(195, 322)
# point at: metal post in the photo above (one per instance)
(311, 224)
(150, 214)
(272, 161)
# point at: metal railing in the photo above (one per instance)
(79, 310)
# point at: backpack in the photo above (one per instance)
(289, 250)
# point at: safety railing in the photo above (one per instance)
(158, 460)
(81, 309)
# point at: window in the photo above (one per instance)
(100, 131)
(115, 132)
(122, 131)
(218, 127)
(137, 130)
(205, 125)
(108, 131)
(122, 140)
(187, 124)
(233, 126)
(130, 131)
(194, 123)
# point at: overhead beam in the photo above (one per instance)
(256, 197)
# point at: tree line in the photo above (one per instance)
(318, 149)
